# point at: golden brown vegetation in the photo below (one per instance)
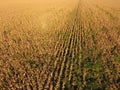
(60, 47)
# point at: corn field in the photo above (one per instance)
(74, 45)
